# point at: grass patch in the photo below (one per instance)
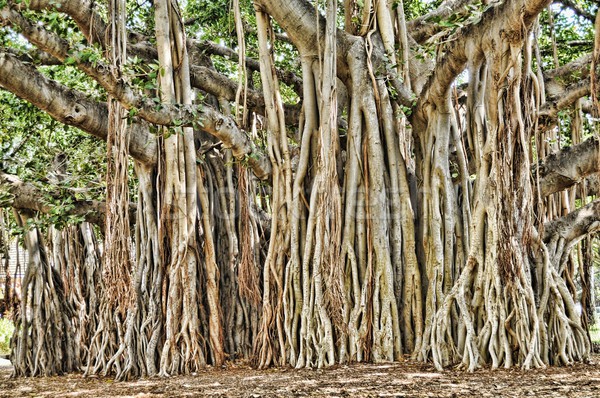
(6, 332)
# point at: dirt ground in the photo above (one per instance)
(404, 379)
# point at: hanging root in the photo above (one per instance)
(44, 341)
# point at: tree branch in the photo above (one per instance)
(23, 195)
(208, 47)
(70, 106)
(562, 100)
(564, 86)
(581, 65)
(217, 84)
(209, 119)
(567, 167)
(75, 109)
(575, 225)
(422, 28)
(212, 82)
(576, 9)
(34, 56)
(89, 22)
(93, 27)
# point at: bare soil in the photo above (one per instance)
(404, 379)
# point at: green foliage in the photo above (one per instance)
(5, 197)
(416, 8)
(85, 54)
(458, 20)
(29, 143)
(6, 331)
(56, 22)
(213, 20)
(140, 17)
(573, 34)
(143, 76)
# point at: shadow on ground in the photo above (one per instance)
(403, 379)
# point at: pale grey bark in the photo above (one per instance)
(74, 108)
(575, 225)
(209, 120)
(70, 106)
(569, 166)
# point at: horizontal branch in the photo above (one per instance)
(217, 84)
(34, 56)
(567, 167)
(209, 119)
(564, 86)
(212, 82)
(561, 96)
(575, 225)
(573, 6)
(562, 100)
(208, 47)
(570, 72)
(23, 195)
(203, 78)
(83, 13)
(70, 106)
(423, 27)
(279, 36)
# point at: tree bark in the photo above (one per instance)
(568, 167)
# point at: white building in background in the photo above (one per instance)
(17, 263)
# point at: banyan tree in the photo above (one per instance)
(306, 183)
